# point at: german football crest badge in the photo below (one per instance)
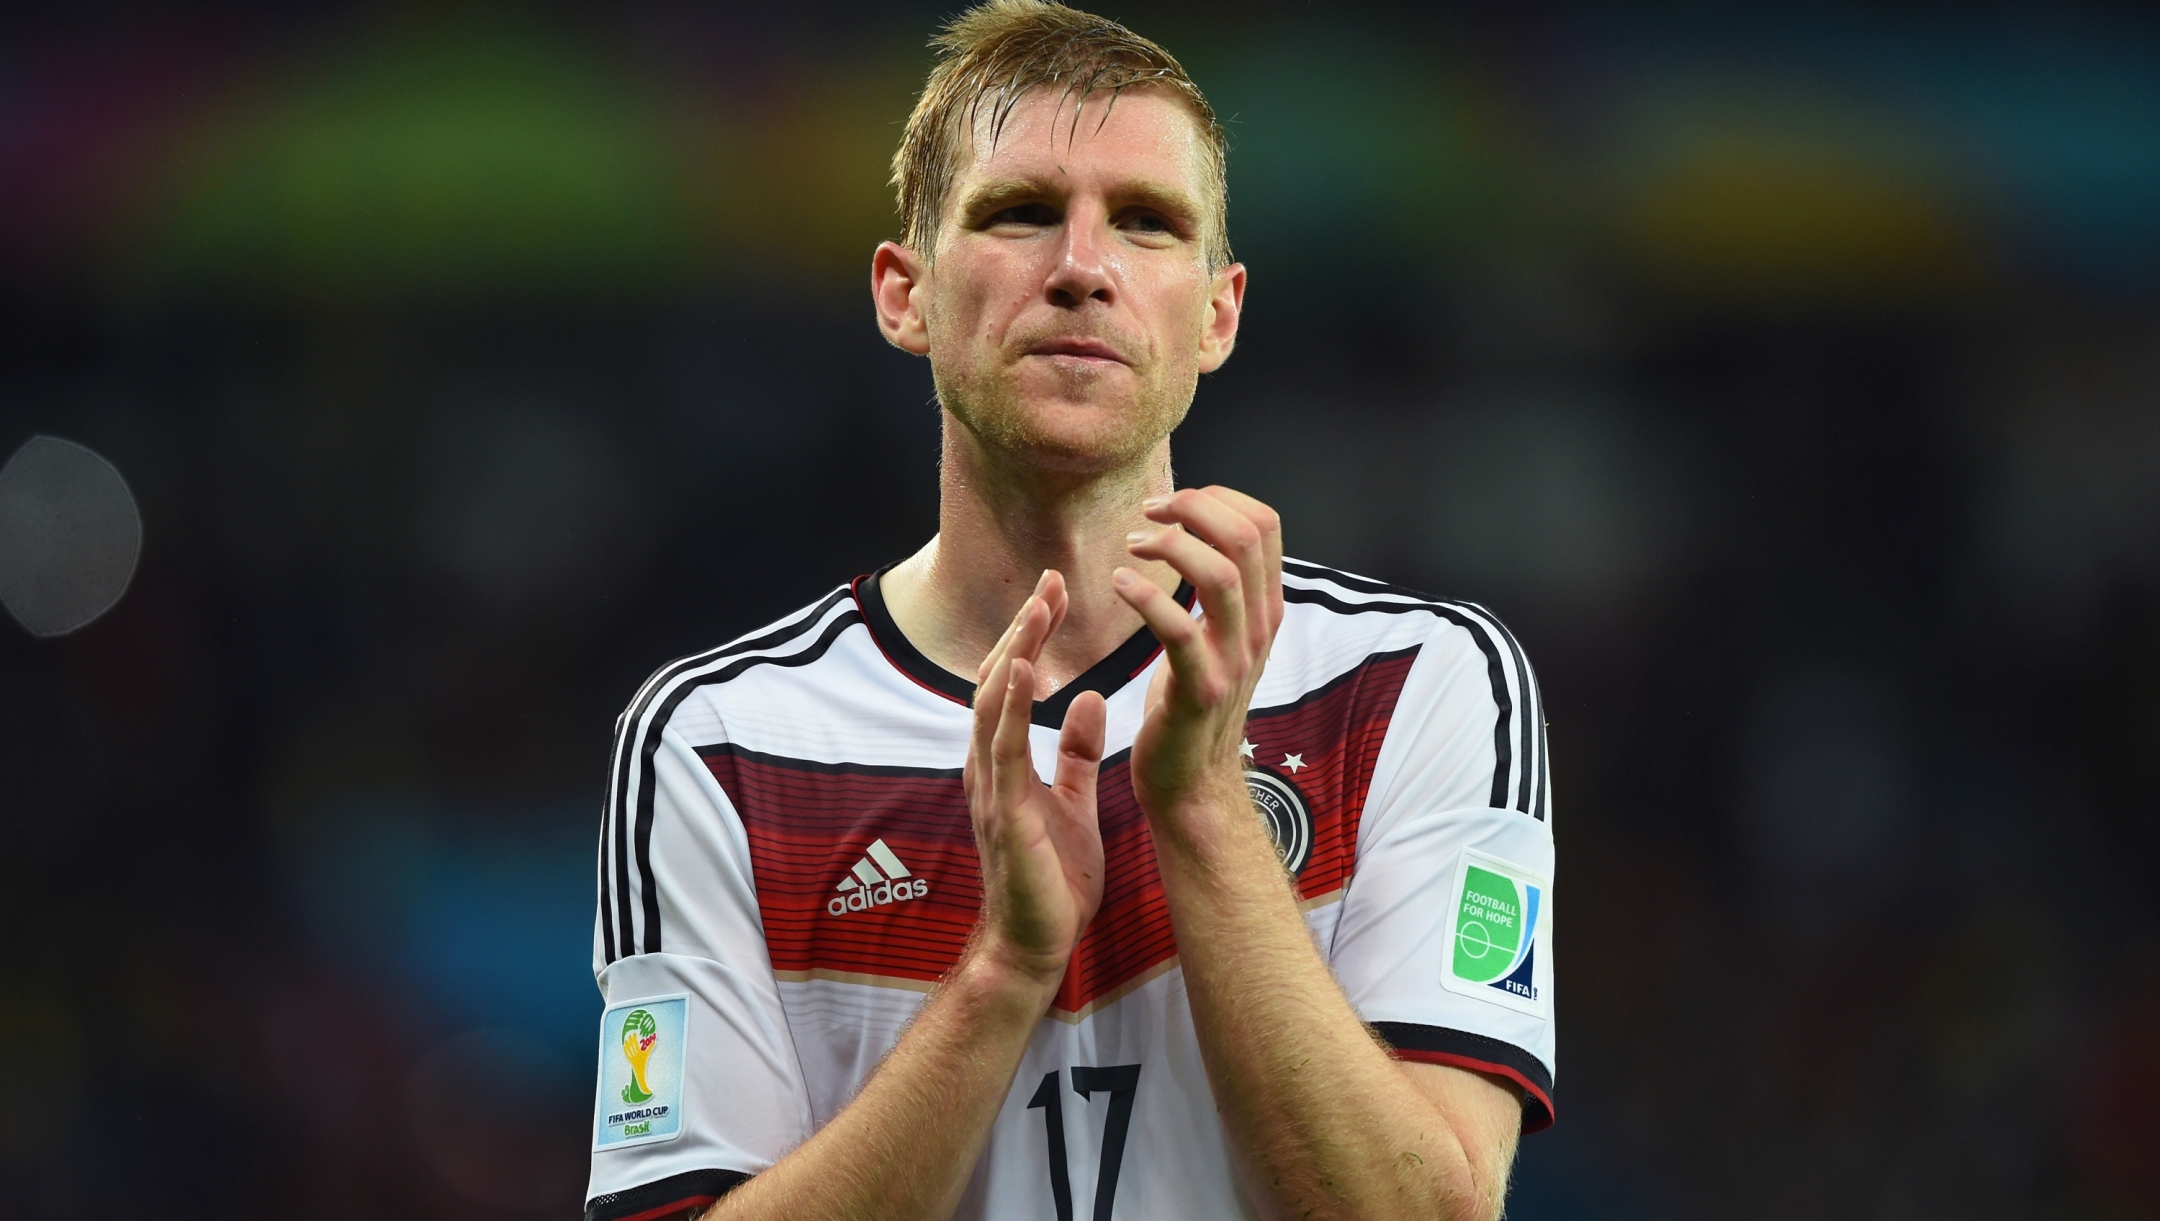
(1498, 919)
(1285, 813)
(641, 1072)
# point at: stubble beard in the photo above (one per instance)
(1115, 433)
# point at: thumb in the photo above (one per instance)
(1080, 744)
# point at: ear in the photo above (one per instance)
(1226, 303)
(897, 280)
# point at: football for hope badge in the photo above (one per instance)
(641, 1072)
(1496, 934)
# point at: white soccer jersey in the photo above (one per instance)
(787, 866)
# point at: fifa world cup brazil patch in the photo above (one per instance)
(1497, 935)
(641, 1072)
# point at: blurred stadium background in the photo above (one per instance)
(1788, 378)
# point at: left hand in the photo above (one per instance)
(1230, 547)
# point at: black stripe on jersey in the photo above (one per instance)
(1511, 1060)
(1105, 676)
(1530, 701)
(1363, 585)
(617, 936)
(607, 900)
(1541, 805)
(1495, 668)
(627, 729)
(726, 750)
(1533, 745)
(1323, 690)
(1532, 750)
(634, 715)
(651, 746)
(690, 1189)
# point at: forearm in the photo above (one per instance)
(904, 1147)
(1329, 1124)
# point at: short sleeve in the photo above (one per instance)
(699, 1086)
(1444, 943)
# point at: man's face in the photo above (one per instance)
(1070, 309)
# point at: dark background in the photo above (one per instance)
(1790, 382)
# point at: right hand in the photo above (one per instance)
(1040, 846)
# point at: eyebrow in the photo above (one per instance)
(998, 194)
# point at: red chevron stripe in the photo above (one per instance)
(807, 827)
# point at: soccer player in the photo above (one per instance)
(1094, 860)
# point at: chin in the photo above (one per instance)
(1078, 425)
(1080, 458)
(1077, 437)
(1074, 450)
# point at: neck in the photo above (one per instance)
(1001, 522)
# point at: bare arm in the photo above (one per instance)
(904, 1147)
(1331, 1126)
(1327, 1125)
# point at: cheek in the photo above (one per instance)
(979, 306)
(1183, 312)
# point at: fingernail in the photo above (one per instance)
(1138, 537)
(1153, 503)
(1123, 577)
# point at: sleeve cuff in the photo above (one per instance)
(1479, 1053)
(690, 1189)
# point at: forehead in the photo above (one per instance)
(1142, 134)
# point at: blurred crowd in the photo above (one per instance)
(1788, 378)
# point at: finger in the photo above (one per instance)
(1269, 523)
(1222, 525)
(994, 675)
(1046, 609)
(991, 681)
(988, 707)
(1080, 745)
(997, 651)
(1214, 518)
(982, 671)
(1173, 625)
(1214, 575)
(1024, 639)
(1051, 590)
(1012, 771)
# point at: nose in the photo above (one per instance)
(1082, 272)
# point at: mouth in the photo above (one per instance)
(1078, 348)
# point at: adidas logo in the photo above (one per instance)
(877, 879)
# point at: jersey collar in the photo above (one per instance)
(1122, 665)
